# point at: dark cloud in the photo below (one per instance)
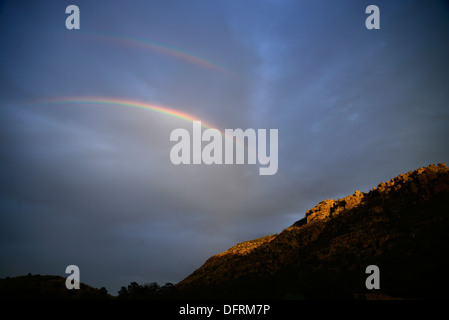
(94, 185)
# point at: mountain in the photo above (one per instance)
(401, 226)
(47, 287)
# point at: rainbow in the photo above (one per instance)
(115, 102)
(162, 48)
(138, 105)
(125, 103)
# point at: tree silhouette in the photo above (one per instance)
(147, 291)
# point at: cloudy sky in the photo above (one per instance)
(92, 184)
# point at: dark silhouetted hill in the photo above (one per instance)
(44, 287)
(402, 226)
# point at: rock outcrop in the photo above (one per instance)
(402, 226)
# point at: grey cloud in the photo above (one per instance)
(94, 186)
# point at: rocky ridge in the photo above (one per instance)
(401, 225)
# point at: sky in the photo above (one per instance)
(88, 182)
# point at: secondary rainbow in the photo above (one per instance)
(160, 47)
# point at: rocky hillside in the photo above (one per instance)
(402, 226)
